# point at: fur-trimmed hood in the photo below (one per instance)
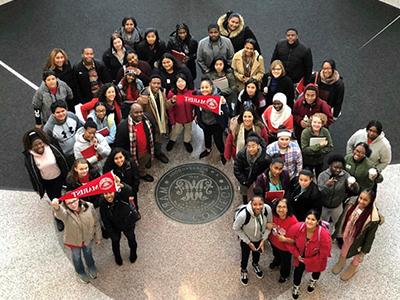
(224, 31)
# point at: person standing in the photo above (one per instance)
(130, 32)
(151, 48)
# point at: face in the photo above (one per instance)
(248, 119)
(51, 81)
(252, 148)
(130, 77)
(283, 141)
(38, 146)
(60, 114)
(59, 59)
(372, 133)
(137, 113)
(167, 64)
(206, 88)
(110, 94)
(311, 221)
(276, 169)
(257, 204)
(327, 70)
(219, 66)
(109, 197)
(155, 85)
(88, 55)
(89, 134)
(181, 84)
(281, 209)
(251, 89)
(304, 181)
(291, 37)
(276, 71)
(358, 153)
(129, 26)
(363, 200)
(248, 49)
(119, 159)
(132, 59)
(213, 34)
(82, 170)
(117, 43)
(151, 38)
(336, 168)
(316, 124)
(100, 112)
(310, 96)
(233, 23)
(277, 105)
(73, 204)
(182, 34)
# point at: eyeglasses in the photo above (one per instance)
(276, 69)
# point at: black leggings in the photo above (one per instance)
(283, 259)
(53, 187)
(298, 273)
(246, 254)
(130, 235)
(215, 131)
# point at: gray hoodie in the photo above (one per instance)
(252, 231)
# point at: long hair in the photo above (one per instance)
(101, 94)
(110, 165)
(217, 58)
(50, 60)
(289, 208)
(175, 63)
(115, 36)
(72, 173)
(182, 76)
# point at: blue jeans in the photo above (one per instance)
(77, 259)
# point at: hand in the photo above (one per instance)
(300, 259)
(252, 247)
(323, 143)
(98, 242)
(223, 100)
(185, 59)
(173, 99)
(269, 226)
(330, 182)
(55, 203)
(132, 200)
(261, 247)
(143, 99)
(118, 181)
(39, 126)
(137, 71)
(281, 238)
(94, 142)
(303, 124)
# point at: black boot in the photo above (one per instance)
(170, 145)
(60, 224)
(117, 253)
(245, 201)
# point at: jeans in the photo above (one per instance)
(284, 259)
(298, 273)
(246, 253)
(77, 259)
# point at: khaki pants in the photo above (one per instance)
(177, 129)
(142, 161)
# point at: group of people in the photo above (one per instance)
(112, 115)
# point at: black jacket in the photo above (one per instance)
(81, 73)
(128, 173)
(150, 55)
(73, 184)
(117, 216)
(238, 41)
(168, 80)
(296, 58)
(302, 202)
(285, 86)
(189, 47)
(112, 63)
(67, 75)
(34, 173)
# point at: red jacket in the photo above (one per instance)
(284, 224)
(88, 106)
(315, 252)
(181, 112)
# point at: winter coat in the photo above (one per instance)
(79, 228)
(257, 70)
(257, 103)
(296, 58)
(189, 47)
(252, 231)
(263, 181)
(245, 173)
(181, 112)
(314, 155)
(34, 172)
(168, 80)
(315, 252)
(302, 202)
(81, 73)
(112, 63)
(282, 225)
(89, 106)
(72, 183)
(381, 154)
(43, 98)
(207, 51)
(67, 75)
(359, 169)
(152, 56)
(108, 122)
(239, 35)
(284, 85)
(128, 173)
(364, 240)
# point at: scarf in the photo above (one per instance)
(247, 64)
(133, 141)
(158, 115)
(330, 80)
(277, 118)
(93, 79)
(240, 140)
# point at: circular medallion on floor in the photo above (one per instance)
(194, 193)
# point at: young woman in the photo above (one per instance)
(50, 90)
(252, 224)
(357, 226)
(250, 96)
(239, 130)
(247, 63)
(314, 152)
(130, 87)
(46, 166)
(282, 220)
(181, 41)
(81, 229)
(115, 56)
(151, 48)
(305, 195)
(277, 115)
(181, 114)
(213, 125)
(276, 81)
(130, 32)
(105, 124)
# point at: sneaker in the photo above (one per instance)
(311, 285)
(296, 292)
(204, 153)
(93, 273)
(273, 264)
(83, 278)
(244, 279)
(282, 279)
(188, 147)
(257, 270)
(170, 145)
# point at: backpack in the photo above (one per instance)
(248, 216)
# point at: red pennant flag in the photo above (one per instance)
(100, 185)
(212, 103)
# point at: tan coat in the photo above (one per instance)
(82, 227)
(257, 70)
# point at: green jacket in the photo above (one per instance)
(314, 155)
(363, 242)
(360, 171)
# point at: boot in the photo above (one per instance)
(170, 145)
(338, 267)
(350, 271)
(245, 200)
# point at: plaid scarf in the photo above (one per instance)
(132, 137)
(93, 79)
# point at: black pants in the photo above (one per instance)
(246, 253)
(284, 259)
(318, 169)
(214, 131)
(298, 273)
(53, 187)
(130, 235)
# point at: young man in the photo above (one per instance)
(141, 68)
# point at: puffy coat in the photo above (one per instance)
(302, 202)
